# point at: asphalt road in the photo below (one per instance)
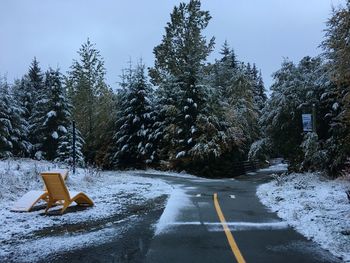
(196, 234)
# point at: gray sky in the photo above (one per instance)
(263, 32)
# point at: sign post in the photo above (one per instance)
(314, 117)
(74, 147)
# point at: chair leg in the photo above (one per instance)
(49, 204)
(65, 206)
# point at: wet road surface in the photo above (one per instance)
(196, 234)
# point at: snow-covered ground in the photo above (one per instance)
(28, 236)
(315, 206)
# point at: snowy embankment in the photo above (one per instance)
(27, 237)
(315, 206)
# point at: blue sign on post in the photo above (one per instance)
(307, 122)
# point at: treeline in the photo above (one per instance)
(324, 82)
(184, 113)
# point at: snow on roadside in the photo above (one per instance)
(178, 199)
(280, 167)
(315, 206)
(169, 173)
(111, 192)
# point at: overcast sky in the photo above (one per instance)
(261, 32)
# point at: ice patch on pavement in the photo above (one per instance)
(315, 206)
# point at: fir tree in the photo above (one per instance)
(258, 88)
(5, 122)
(235, 86)
(13, 127)
(87, 88)
(133, 146)
(35, 103)
(178, 72)
(55, 120)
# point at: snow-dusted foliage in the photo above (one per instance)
(64, 151)
(196, 113)
(13, 127)
(314, 155)
(133, 145)
(192, 124)
(51, 118)
(260, 150)
(92, 99)
(239, 102)
(337, 97)
(318, 84)
(5, 122)
(34, 100)
(294, 91)
(57, 118)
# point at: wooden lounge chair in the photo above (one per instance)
(28, 200)
(57, 191)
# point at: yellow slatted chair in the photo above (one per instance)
(31, 198)
(57, 191)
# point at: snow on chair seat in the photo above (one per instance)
(27, 201)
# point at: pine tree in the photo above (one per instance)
(133, 145)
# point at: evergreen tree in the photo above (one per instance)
(35, 104)
(65, 147)
(104, 135)
(5, 122)
(23, 94)
(13, 127)
(294, 91)
(27, 92)
(133, 145)
(87, 88)
(178, 72)
(337, 51)
(55, 120)
(258, 88)
(235, 87)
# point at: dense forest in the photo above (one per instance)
(184, 112)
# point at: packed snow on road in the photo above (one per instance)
(315, 206)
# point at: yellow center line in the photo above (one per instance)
(228, 233)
